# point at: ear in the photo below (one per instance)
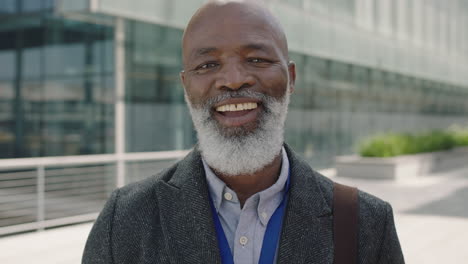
(292, 76)
(182, 77)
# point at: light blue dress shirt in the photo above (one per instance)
(244, 228)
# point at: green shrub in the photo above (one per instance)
(388, 145)
(396, 144)
(461, 137)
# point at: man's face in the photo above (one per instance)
(227, 55)
(237, 81)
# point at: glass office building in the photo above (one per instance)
(99, 79)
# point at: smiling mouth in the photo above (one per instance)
(237, 112)
(236, 107)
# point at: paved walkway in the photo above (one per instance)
(431, 215)
(55, 246)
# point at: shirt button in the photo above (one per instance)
(243, 240)
(264, 215)
(228, 196)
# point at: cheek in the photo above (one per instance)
(276, 82)
(197, 89)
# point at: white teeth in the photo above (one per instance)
(236, 107)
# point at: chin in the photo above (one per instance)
(237, 131)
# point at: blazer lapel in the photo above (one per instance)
(185, 214)
(188, 226)
(307, 234)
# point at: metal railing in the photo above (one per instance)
(37, 193)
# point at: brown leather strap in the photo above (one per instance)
(345, 224)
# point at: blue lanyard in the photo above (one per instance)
(270, 239)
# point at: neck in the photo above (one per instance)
(246, 185)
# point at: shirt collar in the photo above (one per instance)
(268, 199)
(215, 186)
(271, 197)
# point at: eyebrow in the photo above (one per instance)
(251, 46)
(257, 46)
(203, 51)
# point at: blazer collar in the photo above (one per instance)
(188, 224)
(306, 236)
(185, 214)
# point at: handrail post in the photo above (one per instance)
(119, 128)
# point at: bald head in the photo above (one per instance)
(225, 17)
(235, 55)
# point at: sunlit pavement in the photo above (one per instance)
(62, 245)
(431, 215)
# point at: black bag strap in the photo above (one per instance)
(345, 224)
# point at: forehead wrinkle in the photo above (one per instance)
(234, 12)
(203, 51)
(256, 46)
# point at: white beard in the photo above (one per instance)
(236, 151)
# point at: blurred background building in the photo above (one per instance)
(90, 96)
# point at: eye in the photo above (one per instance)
(206, 66)
(258, 60)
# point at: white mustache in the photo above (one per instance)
(208, 104)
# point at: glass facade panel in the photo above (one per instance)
(316, 76)
(59, 97)
(8, 7)
(7, 57)
(157, 118)
(31, 63)
(31, 5)
(65, 59)
(360, 83)
(7, 134)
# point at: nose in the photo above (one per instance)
(234, 76)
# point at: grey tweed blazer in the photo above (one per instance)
(167, 219)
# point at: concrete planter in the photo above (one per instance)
(401, 167)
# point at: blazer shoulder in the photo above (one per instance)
(145, 189)
(142, 196)
(130, 217)
(325, 184)
(378, 239)
(374, 214)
